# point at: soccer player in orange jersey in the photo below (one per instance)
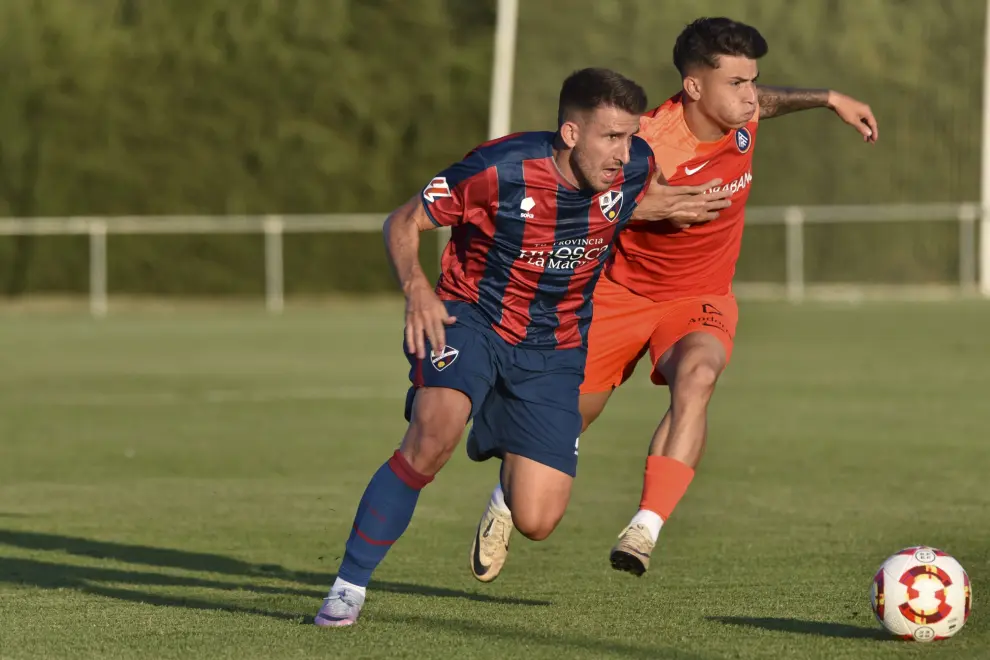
(668, 291)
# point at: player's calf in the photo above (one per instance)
(691, 368)
(386, 508)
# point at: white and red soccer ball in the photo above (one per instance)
(921, 594)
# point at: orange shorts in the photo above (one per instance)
(625, 325)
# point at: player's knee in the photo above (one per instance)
(428, 447)
(433, 434)
(536, 493)
(697, 379)
(536, 518)
(537, 532)
(534, 524)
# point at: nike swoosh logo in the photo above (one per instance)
(692, 170)
(479, 568)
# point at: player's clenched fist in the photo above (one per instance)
(426, 318)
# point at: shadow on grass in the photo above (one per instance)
(800, 626)
(96, 580)
(557, 641)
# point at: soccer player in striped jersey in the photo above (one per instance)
(502, 338)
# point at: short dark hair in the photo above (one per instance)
(701, 42)
(588, 89)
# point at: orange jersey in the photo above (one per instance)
(660, 262)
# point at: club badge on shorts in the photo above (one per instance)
(444, 358)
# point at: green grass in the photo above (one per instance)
(181, 485)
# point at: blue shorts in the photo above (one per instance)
(524, 401)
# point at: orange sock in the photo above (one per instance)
(664, 484)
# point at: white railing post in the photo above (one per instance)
(984, 256)
(98, 268)
(794, 252)
(274, 267)
(503, 65)
(968, 214)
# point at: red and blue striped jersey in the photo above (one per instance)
(526, 246)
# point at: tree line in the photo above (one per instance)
(135, 107)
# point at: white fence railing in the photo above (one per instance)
(273, 227)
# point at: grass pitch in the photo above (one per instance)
(180, 485)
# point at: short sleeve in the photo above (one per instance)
(646, 167)
(454, 194)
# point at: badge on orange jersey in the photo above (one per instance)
(743, 139)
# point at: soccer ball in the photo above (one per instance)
(921, 593)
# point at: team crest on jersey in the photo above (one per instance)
(437, 188)
(445, 358)
(610, 203)
(744, 140)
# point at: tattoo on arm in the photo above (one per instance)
(777, 101)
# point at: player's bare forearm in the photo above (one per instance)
(401, 230)
(426, 315)
(779, 101)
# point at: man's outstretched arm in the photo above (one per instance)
(779, 101)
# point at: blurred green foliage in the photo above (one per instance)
(313, 106)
